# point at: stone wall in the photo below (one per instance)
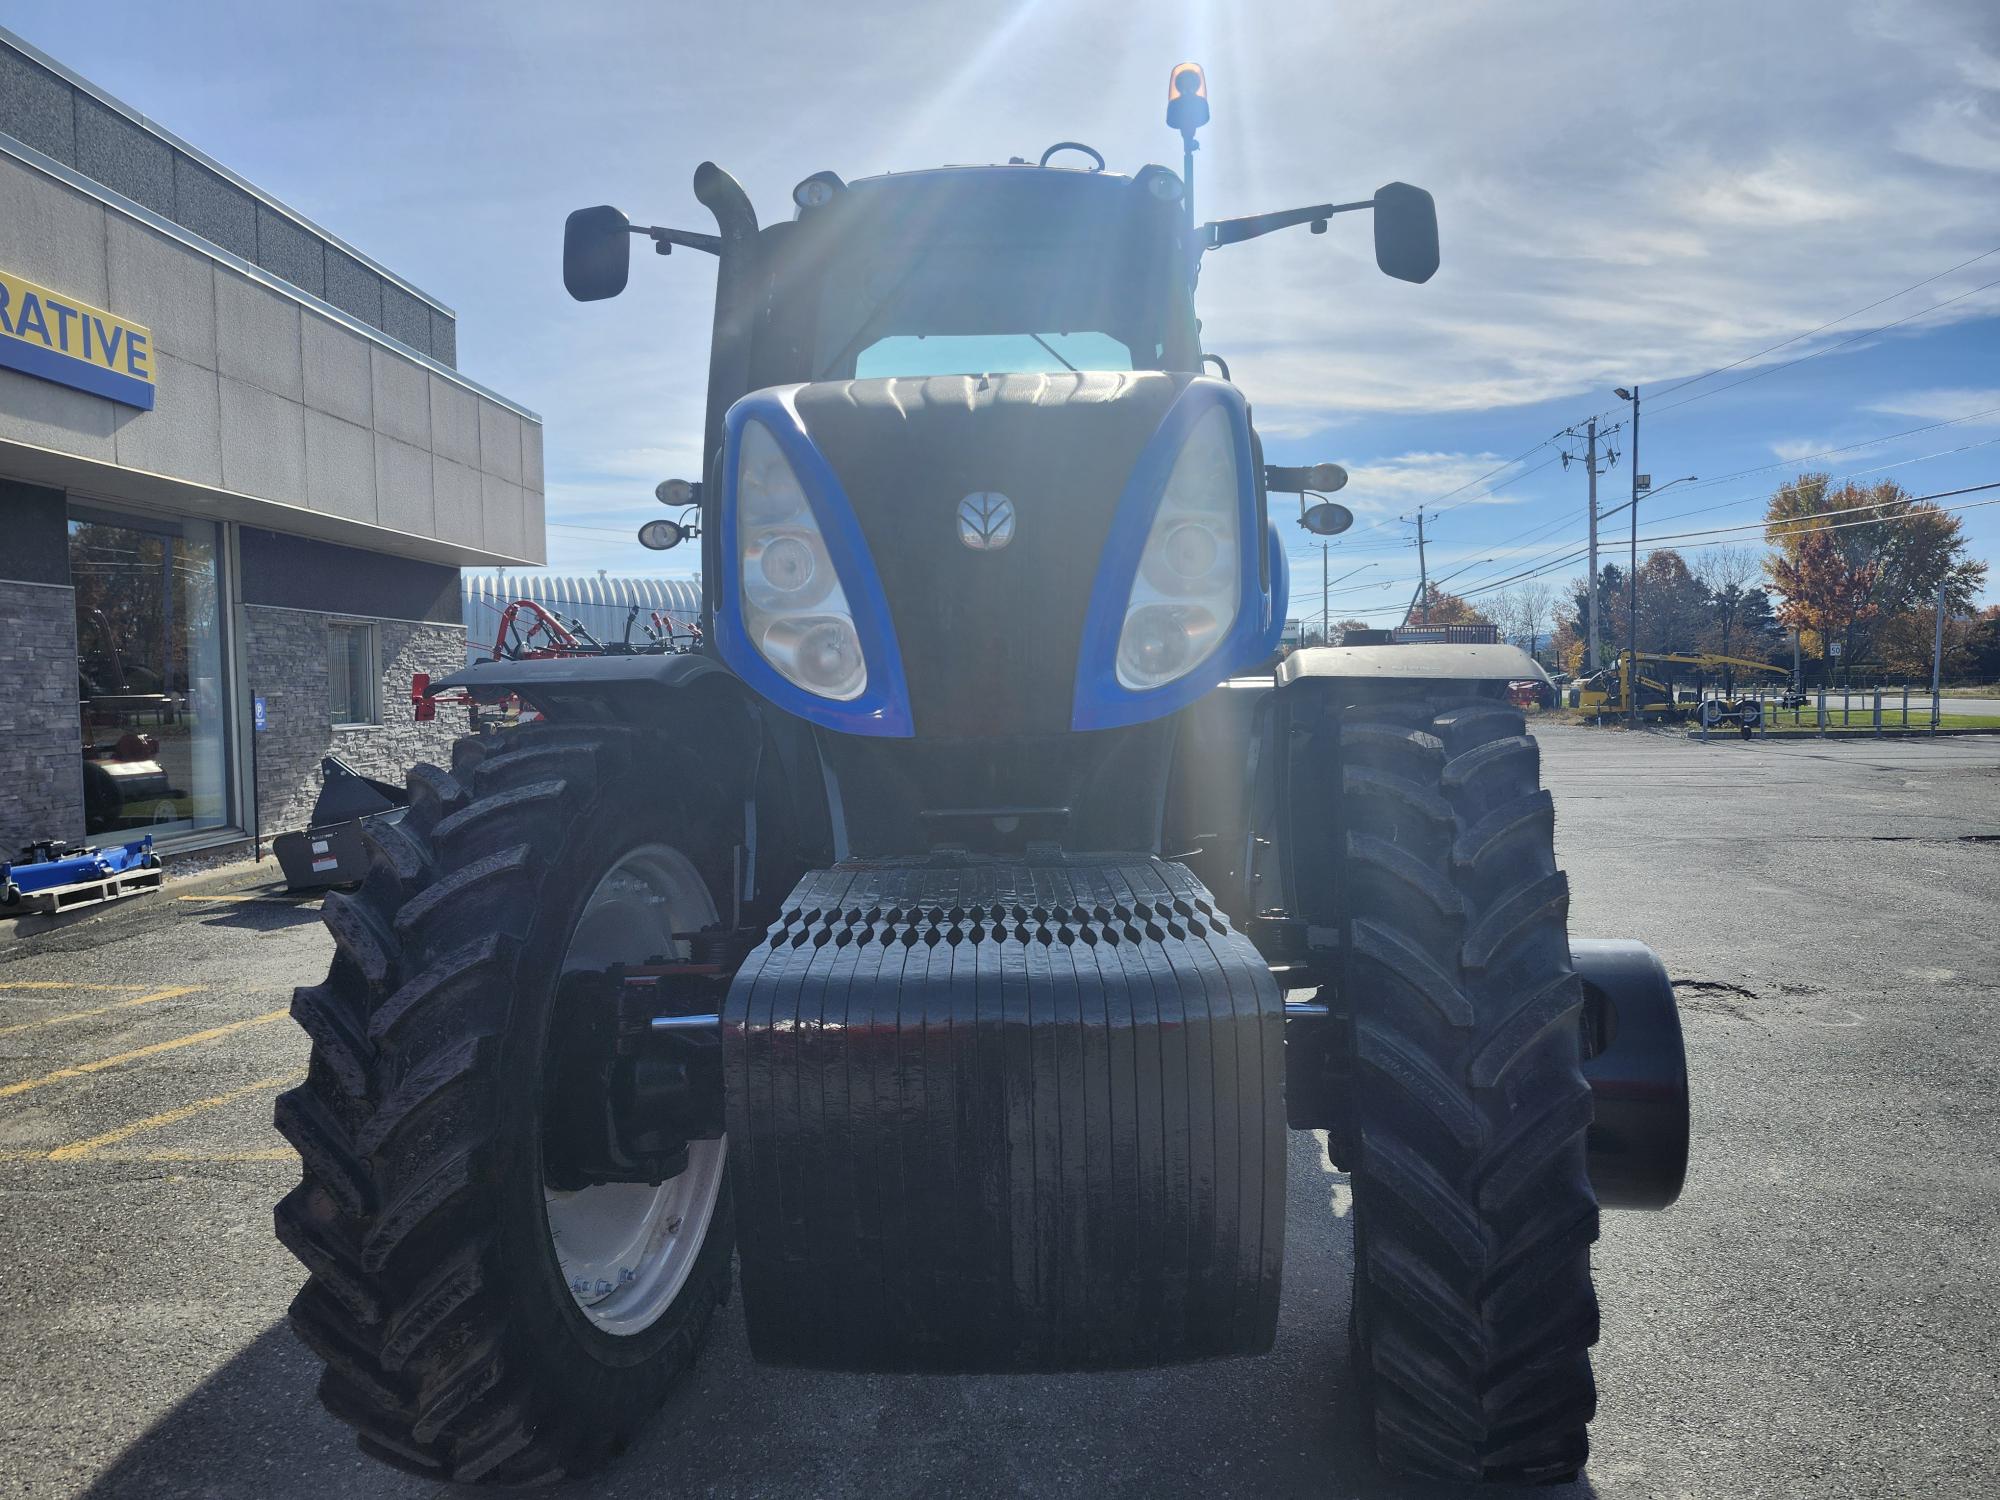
(287, 651)
(41, 794)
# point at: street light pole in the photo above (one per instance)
(1632, 582)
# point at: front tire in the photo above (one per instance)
(1473, 1310)
(474, 1322)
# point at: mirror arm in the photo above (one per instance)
(1230, 231)
(664, 240)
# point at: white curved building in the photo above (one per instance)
(601, 602)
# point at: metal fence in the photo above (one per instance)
(601, 602)
(1884, 708)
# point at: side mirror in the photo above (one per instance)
(597, 253)
(1406, 232)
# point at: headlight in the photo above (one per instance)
(1186, 592)
(794, 609)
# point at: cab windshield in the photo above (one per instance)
(976, 309)
(990, 274)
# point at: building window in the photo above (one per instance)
(151, 683)
(350, 673)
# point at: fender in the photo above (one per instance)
(626, 684)
(1412, 663)
(766, 761)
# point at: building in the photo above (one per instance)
(612, 609)
(239, 474)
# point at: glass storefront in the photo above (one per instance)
(151, 682)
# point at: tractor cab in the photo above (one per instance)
(966, 482)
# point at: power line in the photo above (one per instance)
(1782, 343)
(1793, 525)
(1537, 532)
(1818, 353)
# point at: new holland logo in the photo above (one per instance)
(986, 521)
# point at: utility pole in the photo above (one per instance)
(1591, 467)
(1937, 657)
(1325, 618)
(1423, 577)
(1632, 580)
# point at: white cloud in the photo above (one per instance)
(1791, 450)
(1945, 405)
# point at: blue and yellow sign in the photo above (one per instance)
(58, 338)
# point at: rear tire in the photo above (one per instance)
(1473, 1310)
(453, 1341)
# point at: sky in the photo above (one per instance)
(1625, 194)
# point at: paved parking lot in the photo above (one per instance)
(1815, 1318)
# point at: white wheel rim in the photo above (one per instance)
(626, 1248)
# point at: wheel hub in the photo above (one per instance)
(629, 1187)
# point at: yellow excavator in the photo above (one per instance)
(1605, 692)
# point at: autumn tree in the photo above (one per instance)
(1839, 578)
(1441, 608)
(1672, 605)
(1573, 614)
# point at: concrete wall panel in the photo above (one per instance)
(444, 339)
(531, 456)
(405, 318)
(353, 288)
(263, 442)
(156, 282)
(499, 442)
(182, 435)
(454, 422)
(114, 151)
(54, 416)
(456, 489)
(506, 513)
(50, 234)
(286, 249)
(403, 486)
(36, 108)
(215, 208)
(338, 377)
(402, 398)
(340, 467)
(257, 338)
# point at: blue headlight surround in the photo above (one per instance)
(883, 707)
(1101, 700)
(1280, 598)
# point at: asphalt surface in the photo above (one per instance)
(1815, 1318)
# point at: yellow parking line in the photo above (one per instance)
(81, 1069)
(252, 896)
(174, 1116)
(61, 984)
(142, 1158)
(103, 1010)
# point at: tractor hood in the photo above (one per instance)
(985, 533)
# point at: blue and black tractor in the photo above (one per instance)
(936, 957)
